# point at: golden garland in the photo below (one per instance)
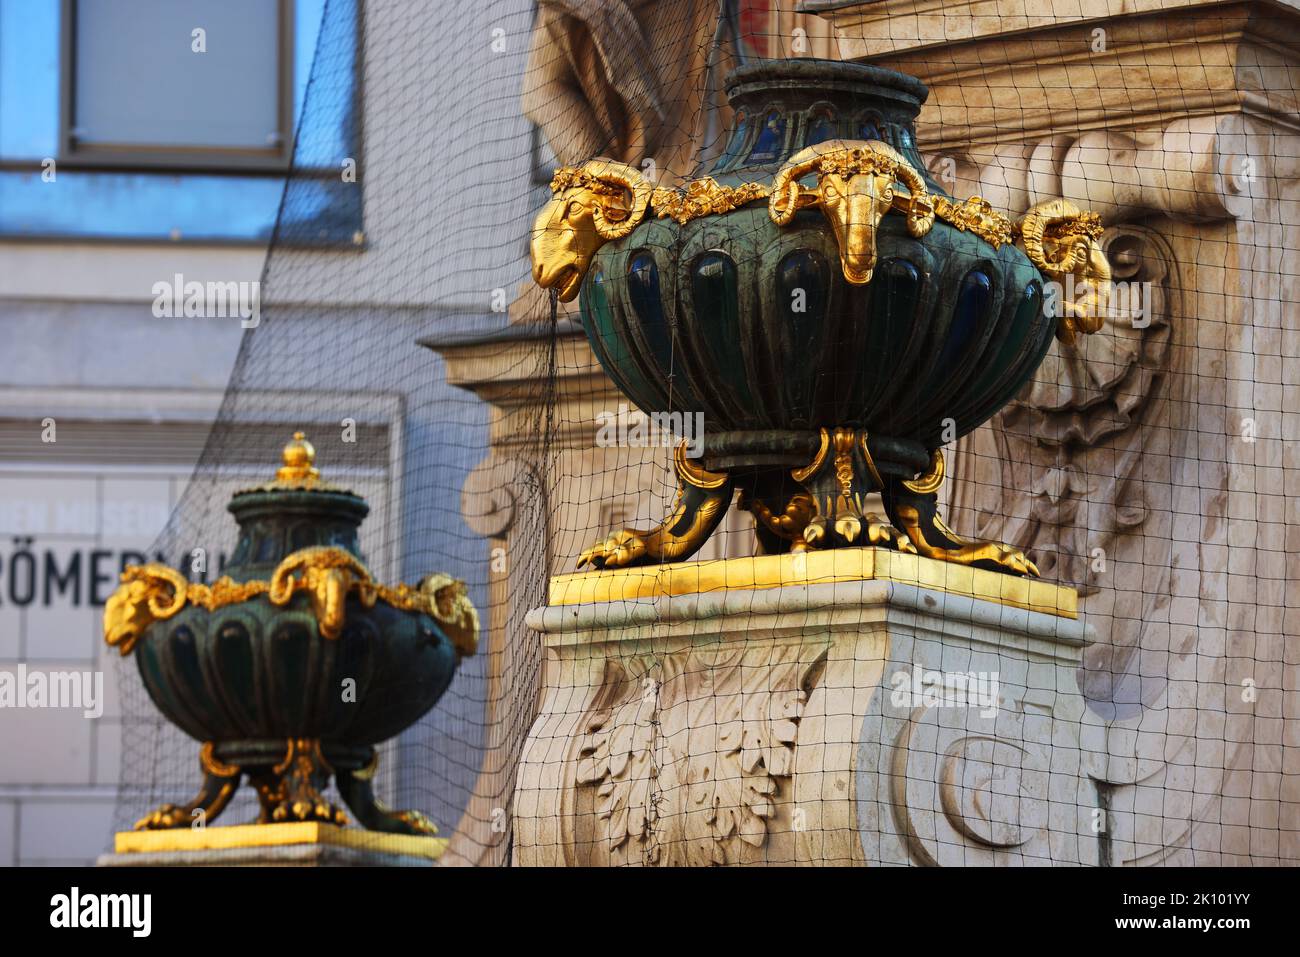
(328, 575)
(707, 197)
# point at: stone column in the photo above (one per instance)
(846, 707)
(544, 492)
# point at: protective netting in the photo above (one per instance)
(464, 403)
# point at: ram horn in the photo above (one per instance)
(1033, 228)
(784, 201)
(919, 207)
(618, 174)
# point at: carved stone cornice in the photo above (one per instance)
(511, 369)
(997, 74)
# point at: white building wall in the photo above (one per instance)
(81, 344)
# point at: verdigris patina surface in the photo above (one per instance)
(296, 662)
(828, 309)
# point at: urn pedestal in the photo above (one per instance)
(854, 707)
(301, 844)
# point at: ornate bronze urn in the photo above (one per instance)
(832, 313)
(295, 663)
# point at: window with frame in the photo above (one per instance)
(179, 84)
(175, 120)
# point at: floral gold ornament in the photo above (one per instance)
(976, 215)
(704, 197)
(832, 340)
(856, 186)
(591, 205)
(295, 663)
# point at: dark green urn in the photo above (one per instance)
(755, 326)
(295, 663)
(813, 310)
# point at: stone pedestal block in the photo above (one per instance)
(856, 706)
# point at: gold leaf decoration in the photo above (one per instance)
(975, 215)
(704, 197)
(328, 575)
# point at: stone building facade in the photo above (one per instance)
(1152, 468)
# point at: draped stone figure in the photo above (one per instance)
(639, 80)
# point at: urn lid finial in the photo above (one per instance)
(299, 462)
(297, 472)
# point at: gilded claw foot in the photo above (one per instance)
(219, 784)
(880, 532)
(913, 507)
(702, 501)
(996, 556)
(845, 523)
(357, 790)
(625, 547)
(292, 790)
(838, 480)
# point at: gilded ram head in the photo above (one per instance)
(857, 183)
(148, 593)
(592, 204)
(1062, 241)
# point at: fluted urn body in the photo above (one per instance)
(294, 663)
(758, 327)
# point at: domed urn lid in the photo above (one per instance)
(298, 471)
(296, 509)
(783, 106)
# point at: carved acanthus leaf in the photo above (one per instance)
(686, 753)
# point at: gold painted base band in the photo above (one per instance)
(813, 568)
(276, 835)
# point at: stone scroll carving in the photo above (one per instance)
(1141, 492)
(998, 777)
(960, 795)
(1081, 428)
